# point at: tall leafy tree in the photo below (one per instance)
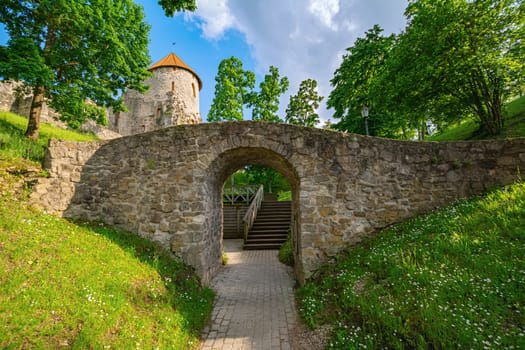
(355, 85)
(302, 109)
(265, 103)
(459, 56)
(232, 89)
(80, 55)
(354, 78)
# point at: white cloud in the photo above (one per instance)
(304, 39)
(325, 10)
(216, 18)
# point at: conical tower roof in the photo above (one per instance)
(173, 60)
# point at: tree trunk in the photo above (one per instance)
(494, 123)
(33, 125)
(486, 101)
(422, 130)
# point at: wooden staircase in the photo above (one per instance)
(270, 228)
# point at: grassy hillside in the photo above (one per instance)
(12, 145)
(514, 125)
(84, 285)
(451, 279)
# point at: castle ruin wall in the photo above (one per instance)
(172, 99)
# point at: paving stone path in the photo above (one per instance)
(254, 308)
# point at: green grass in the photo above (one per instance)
(452, 279)
(514, 125)
(464, 131)
(284, 196)
(515, 118)
(89, 286)
(83, 285)
(14, 145)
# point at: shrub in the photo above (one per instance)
(286, 252)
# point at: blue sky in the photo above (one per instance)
(303, 38)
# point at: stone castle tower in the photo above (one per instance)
(172, 99)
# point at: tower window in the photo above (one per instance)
(193, 89)
(172, 86)
(159, 111)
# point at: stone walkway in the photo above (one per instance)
(254, 308)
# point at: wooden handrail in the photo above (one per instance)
(237, 194)
(251, 212)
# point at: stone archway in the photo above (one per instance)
(233, 159)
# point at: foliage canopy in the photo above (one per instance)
(232, 89)
(354, 85)
(265, 103)
(455, 58)
(302, 109)
(79, 55)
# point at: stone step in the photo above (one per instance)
(270, 218)
(276, 205)
(270, 229)
(264, 231)
(277, 214)
(263, 245)
(275, 209)
(266, 241)
(271, 223)
(267, 238)
(267, 246)
(268, 235)
(267, 232)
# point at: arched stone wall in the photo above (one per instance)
(234, 159)
(166, 184)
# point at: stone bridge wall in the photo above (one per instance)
(166, 185)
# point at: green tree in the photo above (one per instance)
(265, 103)
(302, 109)
(172, 6)
(353, 79)
(355, 85)
(232, 88)
(273, 181)
(459, 56)
(78, 55)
